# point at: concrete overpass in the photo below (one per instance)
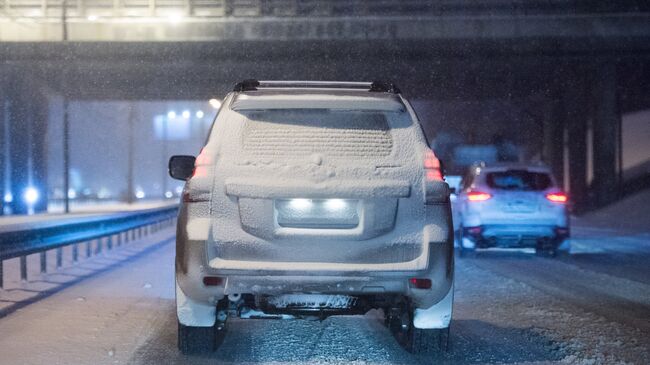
(574, 72)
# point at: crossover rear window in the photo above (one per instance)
(518, 180)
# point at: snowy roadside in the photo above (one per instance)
(576, 335)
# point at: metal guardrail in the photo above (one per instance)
(116, 228)
(318, 8)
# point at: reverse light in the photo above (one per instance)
(335, 204)
(557, 197)
(477, 196)
(300, 203)
(419, 283)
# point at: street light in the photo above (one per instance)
(31, 197)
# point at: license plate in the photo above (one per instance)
(317, 213)
(519, 206)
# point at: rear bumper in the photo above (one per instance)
(356, 280)
(515, 235)
(197, 257)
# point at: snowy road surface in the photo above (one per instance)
(592, 307)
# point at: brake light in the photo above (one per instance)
(557, 197)
(432, 169)
(201, 163)
(419, 283)
(477, 196)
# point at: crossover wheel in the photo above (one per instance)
(462, 250)
(546, 248)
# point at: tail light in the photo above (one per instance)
(434, 192)
(201, 163)
(432, 169)
(477, 196)
(557, 197)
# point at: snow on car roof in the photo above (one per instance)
(504, 166)
(317, 99)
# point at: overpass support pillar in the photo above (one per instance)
(26, 117)
(576, 100)
(565, 132)
(606, 135)
(3, 143)
(553, 150)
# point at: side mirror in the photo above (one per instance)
(181, 167)
(452, 190)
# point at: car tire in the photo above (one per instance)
(546, 249)
(416, 340)
(199, 340)
(546, 252)
(462, 250)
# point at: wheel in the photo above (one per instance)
(199, 340)
(416, 340)
(427, 341)
(462, 250)
(546, 249)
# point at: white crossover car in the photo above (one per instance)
(510, 205)
(314, 199)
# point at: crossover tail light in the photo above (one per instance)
(557, 197)
(477, 196)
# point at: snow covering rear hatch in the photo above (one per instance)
(321, 185)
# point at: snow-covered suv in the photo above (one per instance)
(314, 199)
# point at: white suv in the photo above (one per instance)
(313, 199)
(510, 205)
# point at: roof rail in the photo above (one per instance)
(375, 86)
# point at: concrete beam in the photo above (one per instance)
(604, 28)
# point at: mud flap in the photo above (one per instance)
(192, 313)
(436, 316)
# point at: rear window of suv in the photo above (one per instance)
(338, 133)
(518, 180)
